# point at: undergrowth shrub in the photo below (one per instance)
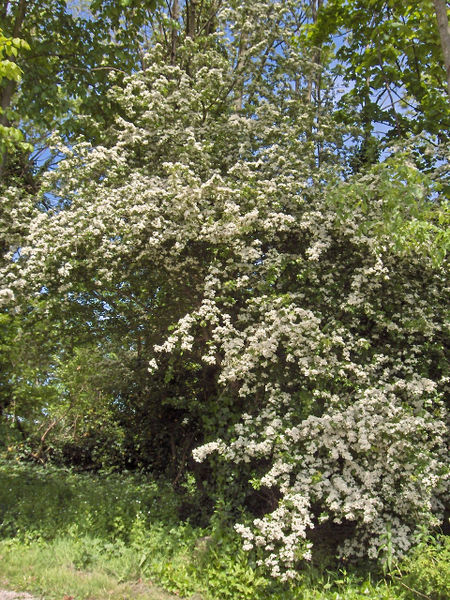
(54, 501)
(127, 527)
(426, 571)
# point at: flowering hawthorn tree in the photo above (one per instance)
(305, 304)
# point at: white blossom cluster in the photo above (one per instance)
(329, 336)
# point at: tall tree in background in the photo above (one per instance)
(66, 72)
(390, 59)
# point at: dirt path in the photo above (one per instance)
(128, 591)
(5, 595)
(141, 591)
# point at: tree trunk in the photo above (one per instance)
(444, 33)
(243, 48)
(191, 14)
(175, 14)
(315, 76)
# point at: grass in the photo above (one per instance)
(66, 535)
(51, 571)
(79, 569)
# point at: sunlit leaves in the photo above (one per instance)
(10, 137)
(392, 63)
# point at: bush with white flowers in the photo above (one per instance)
(303, 295)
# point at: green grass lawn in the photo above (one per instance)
(50, 569)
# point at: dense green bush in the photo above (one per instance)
(53, 501)
(426, 571)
